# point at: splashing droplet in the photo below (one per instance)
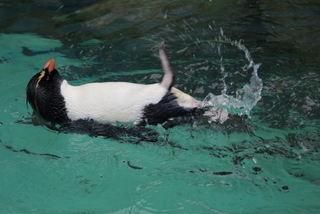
(245, 98)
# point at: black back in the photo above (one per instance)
(44, 95)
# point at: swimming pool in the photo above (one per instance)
(257, 60)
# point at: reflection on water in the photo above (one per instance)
(266, 150)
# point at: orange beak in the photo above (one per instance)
(50, 65)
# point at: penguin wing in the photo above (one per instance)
(168, 78)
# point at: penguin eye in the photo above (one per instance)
(46, 74)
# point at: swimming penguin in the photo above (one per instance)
(56, 101)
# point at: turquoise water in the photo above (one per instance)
(259, 61)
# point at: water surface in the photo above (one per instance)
(258, 60)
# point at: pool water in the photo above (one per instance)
(258, 61)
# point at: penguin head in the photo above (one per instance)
(46, 74)
(44, 88)
(43, 78)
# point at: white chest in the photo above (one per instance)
(110, 102)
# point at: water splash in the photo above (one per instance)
(245, 98)
(238, 95)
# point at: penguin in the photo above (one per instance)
(55, 100)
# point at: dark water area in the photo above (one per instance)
(262, 160)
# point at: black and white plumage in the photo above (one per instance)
(55, 100)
